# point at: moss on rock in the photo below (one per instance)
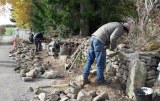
(154, 45)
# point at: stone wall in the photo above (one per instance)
(133, 69)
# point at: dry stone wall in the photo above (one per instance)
(133, 69)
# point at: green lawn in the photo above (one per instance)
(0, 37)
(9, 31)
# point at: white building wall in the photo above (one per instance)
(22, 33)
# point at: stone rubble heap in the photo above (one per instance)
(73, 93)
(30, 64)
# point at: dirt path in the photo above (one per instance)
(12, 88)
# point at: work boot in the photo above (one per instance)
(104, 82)
(86, 81)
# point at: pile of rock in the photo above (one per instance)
(73, 93)
(30, 64)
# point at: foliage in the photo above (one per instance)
(9, 31)
(37, 16)
(53, 13)
(147, 11)
(139, 41)
(154, 45)
(20, 12)
(6, 29)
(134, 39)
(44, 15)
(114, 10)
(146, 25)
(0, 37)
(2, 30)
(111, 10)
(63, 31)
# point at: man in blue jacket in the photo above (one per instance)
(106, 36)
(38, 37)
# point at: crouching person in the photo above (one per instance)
(54, 47)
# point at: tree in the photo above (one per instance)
(2, 30)
(49, 14)
(20, 11)
(78, 16)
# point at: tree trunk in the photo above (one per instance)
(84, 22)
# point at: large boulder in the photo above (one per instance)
(33, 73)
(44, 45)
(42, 96)
(84, 96)
(102, 97)
(137, 76)
(74, 88)
(64, 50)
(50, 74)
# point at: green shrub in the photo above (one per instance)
(63, 31)
(0, 37)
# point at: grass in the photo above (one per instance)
(0, 37)
(9, 31)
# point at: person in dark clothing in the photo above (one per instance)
(31, 38)
(38, 37)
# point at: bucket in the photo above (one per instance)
(143, 94)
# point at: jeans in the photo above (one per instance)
(98, 52)
(38, 44)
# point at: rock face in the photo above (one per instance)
(137, 76)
